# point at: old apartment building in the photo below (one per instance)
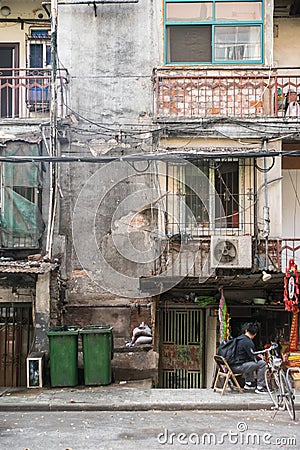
(163, 142)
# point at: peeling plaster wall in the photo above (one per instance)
(46, 309)
(115, 83)
(42, 312)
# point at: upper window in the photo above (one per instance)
(215, 32)
(39, 49)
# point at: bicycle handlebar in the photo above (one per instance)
(267, 350)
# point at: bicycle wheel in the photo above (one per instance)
(288, 396)
(273, 385)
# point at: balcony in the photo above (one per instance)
(26, 93)
(190, 94)
(193, 258)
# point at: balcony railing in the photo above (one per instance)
(194, 93)
(290, 249)
(26, 93)
(191, 258)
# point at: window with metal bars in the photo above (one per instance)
(210, 195)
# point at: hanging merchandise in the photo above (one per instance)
(224, 319)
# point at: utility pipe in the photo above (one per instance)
(53, 129)
(266, 230)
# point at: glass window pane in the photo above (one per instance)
(48, 55)
(36, 55)
(227, 188)
(189, 12)
(238, 11)
(237, 43)
(189, 44)
(197, 193)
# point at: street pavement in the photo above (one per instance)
(155, 430)
(130, 396)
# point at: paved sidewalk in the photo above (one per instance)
(130, 396)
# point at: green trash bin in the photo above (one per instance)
(63, 351)
(98, 350)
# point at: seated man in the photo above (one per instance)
(245, 361)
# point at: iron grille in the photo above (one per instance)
(16, 334)
(181, 348)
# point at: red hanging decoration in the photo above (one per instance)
(291, 287)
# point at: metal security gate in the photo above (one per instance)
(16, 333)
(181, 347)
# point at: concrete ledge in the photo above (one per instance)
(5, 407)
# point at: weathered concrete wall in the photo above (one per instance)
(290, 203)
(104, 235)
(286, 39)
(110, 58)
(117, 50)
(211, 327)
(274, 191)
(42, 312)
(123, 315)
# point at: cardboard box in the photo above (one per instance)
(296, 379)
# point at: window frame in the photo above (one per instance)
(212, 219)
(214, 24)
(178, 183)
(40, 37)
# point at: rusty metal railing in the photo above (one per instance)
(26, 93)
(190, 94)
(289, 249)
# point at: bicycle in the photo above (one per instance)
(279, 382)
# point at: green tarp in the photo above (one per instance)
(21, 220)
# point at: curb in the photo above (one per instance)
(6, 407)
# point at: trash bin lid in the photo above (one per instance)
(60, 331)
(93, 329)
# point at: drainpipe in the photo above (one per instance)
(256, 230)
(266, 210)
(53, 129)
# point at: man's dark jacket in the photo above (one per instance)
(245, 346)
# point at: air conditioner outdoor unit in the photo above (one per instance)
(231, 252)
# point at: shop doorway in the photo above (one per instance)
(181, 332)
(16, 335)
(275, 323)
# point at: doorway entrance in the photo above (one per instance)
(181, 347)
(16, 338)
(9, 60)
